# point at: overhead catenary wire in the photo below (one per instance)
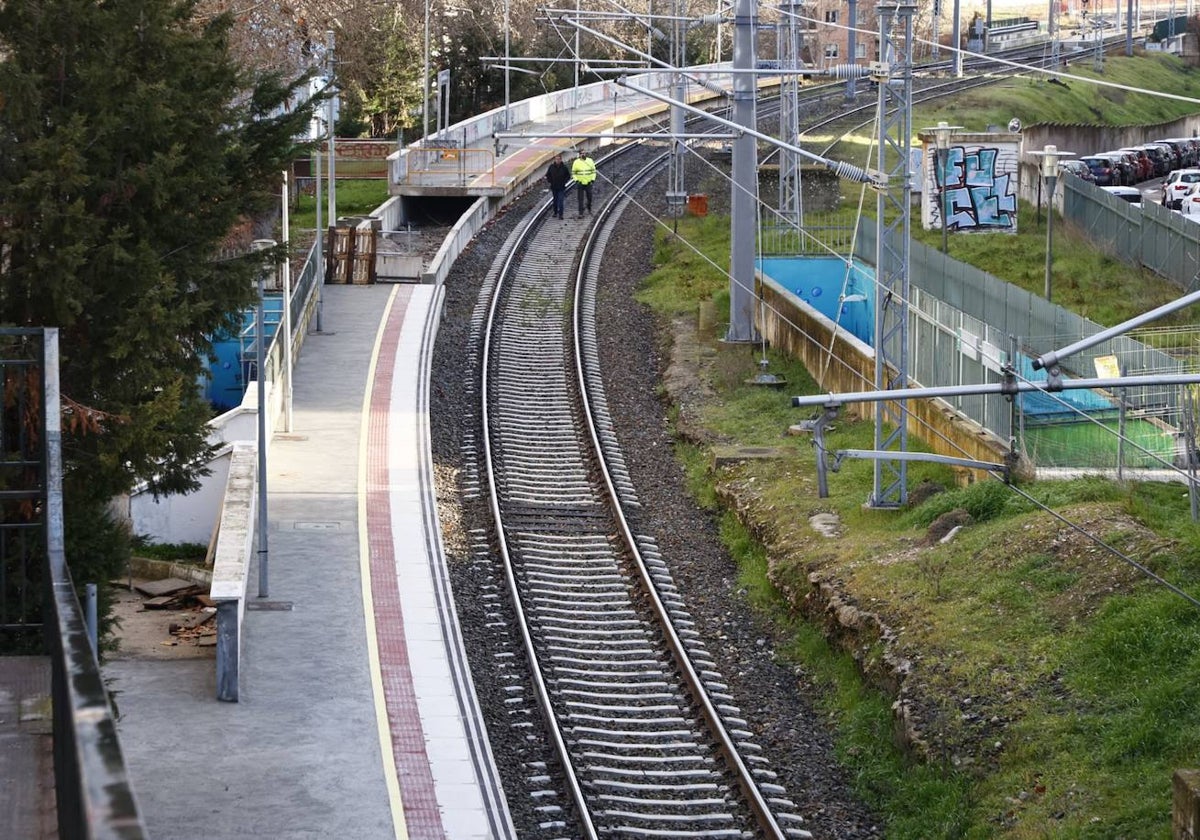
(838, 167)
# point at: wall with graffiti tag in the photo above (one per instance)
(975, 191)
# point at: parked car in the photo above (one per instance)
(1169, 155)
(1178, 149)
(1104, 170)
(1161, 158)
(1189, 202)
(1193, 146)
(1130, 194)
(1189, 150)
(1176, 185)
(1127, 167)
(1144, 163)
(1077, 168)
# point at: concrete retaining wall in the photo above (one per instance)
(803, 333)
(231, 565)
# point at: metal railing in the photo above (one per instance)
(91, 783)
(429, 164)
(819, 237)
(304, 287)
(93, 794)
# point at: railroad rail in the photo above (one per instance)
(983, 71)
(649, 739)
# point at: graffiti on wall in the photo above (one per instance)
(979, 190)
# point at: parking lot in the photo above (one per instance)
(1165, 172)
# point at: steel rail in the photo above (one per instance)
(700, 696)
(699, 700)
(571, 778)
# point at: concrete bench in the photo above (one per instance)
(231, 564)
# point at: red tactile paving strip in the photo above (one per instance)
(417, 793)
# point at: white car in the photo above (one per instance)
(1131, 194)
(1189, 204)
(1176, 184)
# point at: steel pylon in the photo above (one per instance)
(893, 227)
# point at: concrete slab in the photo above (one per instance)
(26, 748)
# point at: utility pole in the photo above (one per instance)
(893, 229)
(507, 64)
(745, 178)
(287, 310)
(578, 57)
(676, 191)
(320, 280)
(937, 30)
(260, 375)
(790, 39)
(425, 83)
(1052, 31)
(852, 47)
(956, 38)
(331, 102)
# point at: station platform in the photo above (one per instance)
(497, 153)
(356, 716)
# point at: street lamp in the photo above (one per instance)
(942, 134)
(1050, 156)
(956, 39)
(507, 64)
(425, 84)
(330, 102)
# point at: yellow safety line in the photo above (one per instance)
(391, 779)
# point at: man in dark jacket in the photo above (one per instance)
(558, 175)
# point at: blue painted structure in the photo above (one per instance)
(842, 292)
(832, 287)
(232, 370)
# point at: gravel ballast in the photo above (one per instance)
(775, 698)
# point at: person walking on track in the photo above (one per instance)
(558, 175)
(583, 170)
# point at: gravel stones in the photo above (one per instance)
(773, 696)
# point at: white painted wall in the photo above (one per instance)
(982, 187)
(191, 518)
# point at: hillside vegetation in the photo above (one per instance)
(1042, 679)
(1121, 99)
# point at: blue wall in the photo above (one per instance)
(821, 282)
(818, 281)
(227, 376)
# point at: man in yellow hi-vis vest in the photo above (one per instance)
(583, 170)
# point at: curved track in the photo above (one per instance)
(652, 744)
(650, 741)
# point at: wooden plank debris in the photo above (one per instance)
(166, 586)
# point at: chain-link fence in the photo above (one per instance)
(966, 324)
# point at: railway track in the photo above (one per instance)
(650, 742)
(979, 72)
(648, 738)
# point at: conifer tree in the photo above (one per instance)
(130, 147)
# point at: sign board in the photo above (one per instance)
(1107, 367)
